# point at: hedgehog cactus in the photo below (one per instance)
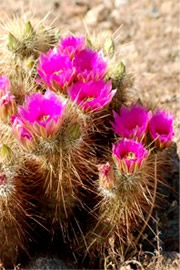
(61, 149)
(128, 181)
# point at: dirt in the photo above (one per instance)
(149, 44)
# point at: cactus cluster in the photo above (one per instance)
(75, 158)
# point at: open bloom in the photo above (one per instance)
(129, 155)
(131, 123)
(90, 65)
(56, 70)
(92, 96)
(22, 134)
(71, 45)
(106, 176)
(161, 128)
(43, 114)
(4, 85)
(7, 106)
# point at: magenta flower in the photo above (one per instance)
(71, 45)
(7, 106)
(56, 70)
(22, 134)
(129, 155)
(90, 65)
(131, 123)
(43, 114)
(106, 176)
(161, 128)
(4, 85)
(92, 96)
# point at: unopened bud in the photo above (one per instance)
(28, 30)
(13, 43)
(7, 107)
(106, 176)
(6, 153)
(120, 71)
(109, 47)
(30, 63)
(89, 43)
(74, 131)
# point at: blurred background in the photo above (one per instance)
(147, 30)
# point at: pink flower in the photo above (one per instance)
(7, 106)
(106, 176)
(22, 134)
(90, 65)
(91, 96)
(43, 114)
(129, 155)
(71, 45)
(131, 123)
(56, 70)
(4, 85)
(161, 128)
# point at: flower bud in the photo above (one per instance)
(106, 176)
(7, 107)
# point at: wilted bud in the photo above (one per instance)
(2, 178)
(5, 153)
(109, 47)
(28, 30)
(106, 176)
(13, 43)
(7, 106)
(74, 131)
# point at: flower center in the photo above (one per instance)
(43, 118)
(86, 99)
(162, 130)
(130, 155)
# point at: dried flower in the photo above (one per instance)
(129, 155)
(4, 85)
(22, 134)
(90, 65)
(71, 45)
(7, 106)
(56, 70)
(43, 114)
(161, 128)
(131, 123)
(106, 176)
(92, 96)
(3, 179)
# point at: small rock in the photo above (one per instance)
(154, 12)
(96, 14)
(120, 3)
(45, 263)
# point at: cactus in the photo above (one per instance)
(74, 144)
